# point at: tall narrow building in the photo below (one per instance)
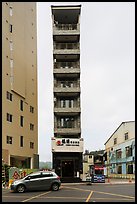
(67, 143)
(19, 85)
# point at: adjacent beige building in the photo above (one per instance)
(19, 85)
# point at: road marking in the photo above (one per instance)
(89, 196)
(114, 194)
(35, 196)
(111, 199)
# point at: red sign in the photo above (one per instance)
(58, 142)
(99, 168)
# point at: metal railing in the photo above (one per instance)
(66, 46)
(66, 26)
(66, 65)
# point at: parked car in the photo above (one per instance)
(42, 180)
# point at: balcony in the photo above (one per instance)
(66, 69)
(63, 29)
(63, 91)
(67, 145)
(66, 48)
(67, 111)
(67, 130)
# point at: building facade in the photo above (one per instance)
(120, 149)
(93, 163)
(19, 85)
(67, 143)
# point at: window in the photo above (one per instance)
(21, 141)
(128, 151)
(67, 122)
(9, 117)
(119, 169)
(11, 28)
(9, 96)
(31, 126)
(47, 174)
(21, 121)
(67, 103)
(11, 45)
(66, 84)
(126, 136)
(118, 153)
(31, 109)
(21, 105)
(9, 140)
(11, 11)
(115, 141)
(31, 145)
(130, 169)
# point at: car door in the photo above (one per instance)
(46, 180)
(33, 182)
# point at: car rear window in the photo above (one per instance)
(47, 175)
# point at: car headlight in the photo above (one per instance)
(14, 182)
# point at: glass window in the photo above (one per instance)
(21, 105)
(9, 140)
(118, 153)
(115, 141)
(32, 145)
(130, 168)
(126, 136)
(31, 109)
(9, 96)
(11, 11)
(31, 126)
(119, 169)
(128, 151)
(21, 141)
(21, 121)
(11, 45)
(11, 28)
(9, 117)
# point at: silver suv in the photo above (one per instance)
(42, 180)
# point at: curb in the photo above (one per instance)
(84, 183)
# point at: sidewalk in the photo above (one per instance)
(118, 181)
(107, 181)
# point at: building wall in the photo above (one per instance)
(67, 141)
(19, 78)
(115, 162)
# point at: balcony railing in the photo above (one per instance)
(66, 26)
(63, 46)
(66, 65)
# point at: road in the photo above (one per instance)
(76, 193)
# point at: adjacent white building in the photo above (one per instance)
(120, 149)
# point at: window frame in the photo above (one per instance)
(21, 141)
(9, 139)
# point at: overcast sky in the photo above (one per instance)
(107, 63)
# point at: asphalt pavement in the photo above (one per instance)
(108, 181)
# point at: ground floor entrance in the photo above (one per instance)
(67, 168)
(68, 165)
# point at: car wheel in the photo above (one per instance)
(21, 189)
(55, 187)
